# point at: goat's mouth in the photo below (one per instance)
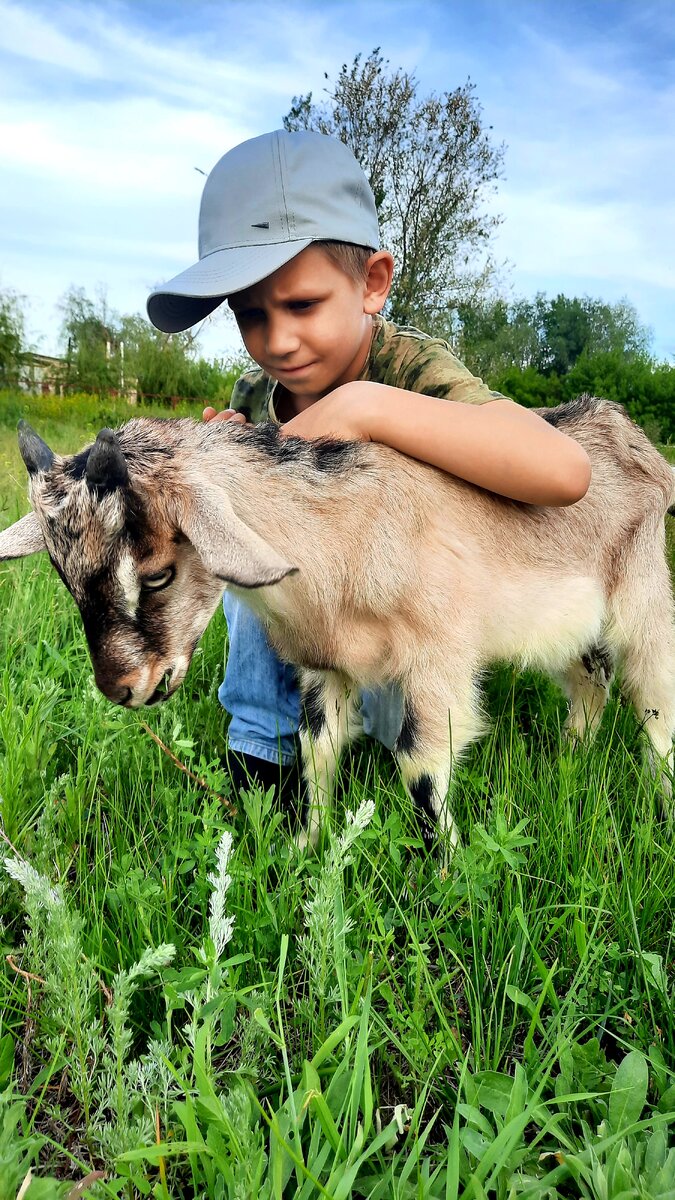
(163, 691)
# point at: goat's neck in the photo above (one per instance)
(276, 503)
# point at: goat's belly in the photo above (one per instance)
(546, 622)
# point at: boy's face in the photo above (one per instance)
(308, 325)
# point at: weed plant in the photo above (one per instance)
(191, 1008)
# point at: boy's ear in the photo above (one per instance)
(379, 276)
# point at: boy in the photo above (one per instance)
(288, 235)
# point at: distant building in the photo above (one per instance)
(40, 373)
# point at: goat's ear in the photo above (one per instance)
(22, 538)
(226, 545)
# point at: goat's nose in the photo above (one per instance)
(117, 693)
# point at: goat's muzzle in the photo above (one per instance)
(143, 687)
(117, 693)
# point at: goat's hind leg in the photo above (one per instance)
(648, 680)
(644, 621)
(328, 722)
(587, 683)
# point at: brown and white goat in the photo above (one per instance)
(367, 568)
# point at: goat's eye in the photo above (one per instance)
(162, 579)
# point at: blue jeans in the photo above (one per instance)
(262, 696)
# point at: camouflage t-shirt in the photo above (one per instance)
(400, 357)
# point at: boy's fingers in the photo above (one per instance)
(228, 414)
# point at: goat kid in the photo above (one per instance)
(366, 568)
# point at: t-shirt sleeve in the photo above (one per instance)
(428, 366)
(249, 396)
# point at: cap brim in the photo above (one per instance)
(192, 295)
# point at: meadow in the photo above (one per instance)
(191, 1008)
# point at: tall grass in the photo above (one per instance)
(182, 1016)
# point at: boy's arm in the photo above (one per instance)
(499, 445)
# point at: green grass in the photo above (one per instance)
(376, 1026)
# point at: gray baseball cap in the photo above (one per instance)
(264, 202)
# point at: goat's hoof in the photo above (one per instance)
(301, 840)
(308, 838)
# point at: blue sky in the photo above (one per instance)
(106, 109)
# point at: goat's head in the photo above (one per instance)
(145, 544)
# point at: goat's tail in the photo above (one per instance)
(671, 510)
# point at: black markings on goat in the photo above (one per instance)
(598, 659)
(335, 456)
(76, 466)
(406, 742)
(328, 455)
(137, 530)
(313, 716)
(97, 606)
(422, 792)
(267, 439)
(574, 410)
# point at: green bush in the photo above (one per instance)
(646, 389)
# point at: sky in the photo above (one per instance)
(110, 112)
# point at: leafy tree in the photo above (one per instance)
(542, 352)
(107, 353)
(12, 337)
(492, 336)
(617, 329)
(547, 335)
(157, 361)
(527, 386)
(90, 333)
(164, 366)
(574, 327)
(567, 333)
(431, 164)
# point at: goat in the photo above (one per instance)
(366, 567)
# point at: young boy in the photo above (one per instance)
(288, 235)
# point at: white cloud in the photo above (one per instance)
(23, 33)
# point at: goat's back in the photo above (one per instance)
(392, 499)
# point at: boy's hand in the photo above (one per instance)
(228, 414)
(337, 414)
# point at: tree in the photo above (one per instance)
(91, 336)
(497, 334)
(12, 337)
(164, 366)
(158, 361)
(430, 163)
(547, 336)
(575, 327)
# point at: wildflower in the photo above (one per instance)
(220, 925)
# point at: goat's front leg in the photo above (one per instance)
(440, 718)
(328, 722)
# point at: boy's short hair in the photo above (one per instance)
(263, 203)
(351, 259)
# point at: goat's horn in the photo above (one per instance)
(34, 452)
(106, 465)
